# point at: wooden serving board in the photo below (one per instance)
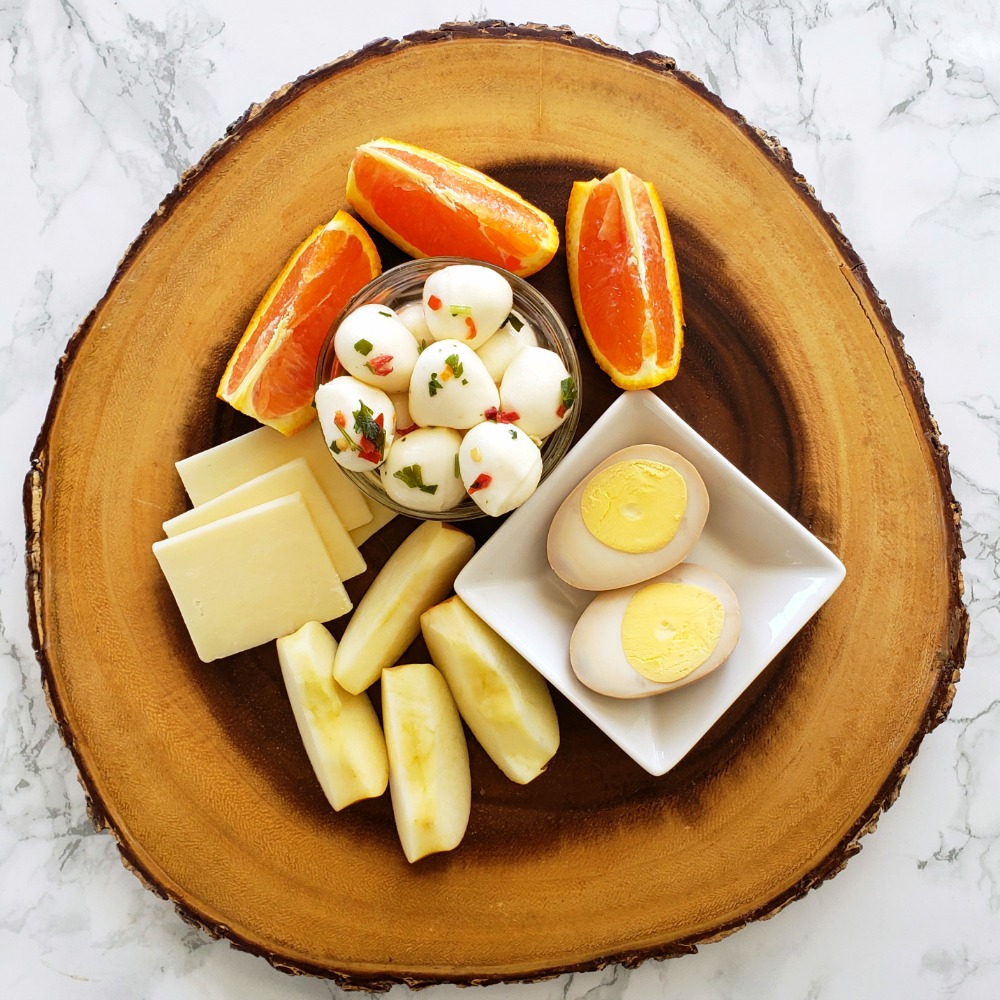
(793, 369)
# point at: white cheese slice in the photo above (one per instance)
(216, 470)
(292, 477)
(251, 577)
(381, 516)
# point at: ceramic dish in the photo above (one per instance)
(781, 574)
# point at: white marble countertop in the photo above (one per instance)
(890, 108)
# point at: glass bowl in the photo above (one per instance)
(403, 284)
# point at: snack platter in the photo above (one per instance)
(791, 771)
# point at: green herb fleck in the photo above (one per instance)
(515, 322)
(460, 310)
(513, 434)
(366, 425)
(386, 313)
(458, 472)
(411, 475)
(363, 347)
(433, 385)
(455, 365)
(422, 346)
(567, 392)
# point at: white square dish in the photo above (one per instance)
(780, 572)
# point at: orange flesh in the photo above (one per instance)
(623, 284)
(610, 289)
(443, 211)
(658, 297)
(327, 273)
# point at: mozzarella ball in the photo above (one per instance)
(450, 387)
(466, 302)
(538, 388)
(358, 422)
(401, 404)
(636, 515)
(421, 472)
(376, 348)
(498, 352)
(411, 316)
(501, 466)
(655, 636)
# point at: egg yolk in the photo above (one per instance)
(670, 629)
(634, 506)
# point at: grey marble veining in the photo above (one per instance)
(888, 107)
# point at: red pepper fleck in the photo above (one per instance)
(471, 324)
(561, 411)
(401, 431)
(339, 419)
(434, 303)
(501, 416)
(381, 364)
(480, 483)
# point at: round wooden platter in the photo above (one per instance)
(793, 369)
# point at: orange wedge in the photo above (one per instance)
(271, 375)
(431, 206)
(624, 281)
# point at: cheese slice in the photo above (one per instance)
(292, 477)
(225, 466)
(381, 516)
(251, 577)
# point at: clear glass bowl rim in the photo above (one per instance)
(404, 283)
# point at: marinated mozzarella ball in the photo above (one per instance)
(411, 316)
(401, 404)
(500, 465)
(466, 302)
(658, 635)
(636, 515)
(421, 471)
(498, 352)
(358, 422)
(450, 387)
(537, 387)
(375, 347)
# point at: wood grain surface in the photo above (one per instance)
(792, 368)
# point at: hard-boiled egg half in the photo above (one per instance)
(636, 515)
(657, 635)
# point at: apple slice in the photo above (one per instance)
(502, 698)
(416, 576)
(429, 778)
(339, 730)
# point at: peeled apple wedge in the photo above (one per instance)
(502, 698)
(416, 576)
(429, 778)
(339, 730)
